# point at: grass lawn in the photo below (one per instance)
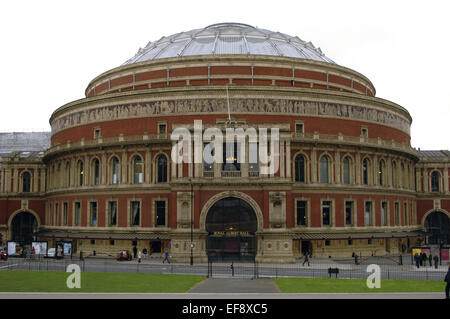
(55, 281)
(333, 285)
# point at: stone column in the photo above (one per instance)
(337, 167)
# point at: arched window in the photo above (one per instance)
(435, 177)
(394, 174)
(115, 170)
(403, 174)
(80, 167)
(300, 168)
(96, 170)
(162, 169)
(381, 171)
(346, 170)
(26, 182)
(68, 174)
(138, 171)
(324, 170)
(365, 173)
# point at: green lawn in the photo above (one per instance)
(333, 285)
(53, 281)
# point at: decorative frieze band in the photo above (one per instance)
(211, 106)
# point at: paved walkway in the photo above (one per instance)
(227, 285)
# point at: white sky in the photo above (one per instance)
(51, 50)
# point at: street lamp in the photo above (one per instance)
(192, 230)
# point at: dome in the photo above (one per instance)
(229, 38)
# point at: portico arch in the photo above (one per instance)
(436, 223)
(222, 195)
(23, 224)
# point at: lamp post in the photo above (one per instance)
(192, 230)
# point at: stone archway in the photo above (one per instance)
(231, 224)
(437, 225)
(23, 226)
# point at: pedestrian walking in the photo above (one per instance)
(417, 260)
(144, 251)
(166, 257)
(139, 256)
(447, 280)
(436, 260)
(306, 260)
(134, 252)
(430, 260)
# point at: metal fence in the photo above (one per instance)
(390, 268)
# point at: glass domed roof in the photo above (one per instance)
(228, 38)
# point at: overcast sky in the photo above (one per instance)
(51, 50)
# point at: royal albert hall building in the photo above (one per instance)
(348, 180)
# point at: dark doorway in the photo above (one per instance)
(306, 247)
(155, 246)
(437, 225)
(231, 225)
(23, 226)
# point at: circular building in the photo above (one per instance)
(342, 171)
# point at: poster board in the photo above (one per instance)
(14, 248)
(445, 254)
(40, 247)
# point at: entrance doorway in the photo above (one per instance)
(437, 225)
(155, 246)
(23, 227)
(231, 225)
(306, 247)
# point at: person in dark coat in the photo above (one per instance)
(436, 260)
(430, 260)
(447, 280)
(134, 252)
(417, 260)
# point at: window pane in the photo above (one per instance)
(346, 171)
(115, 171)
(300, 169)
(135, 213)
(368, 211)
(93, 209)
(348, 213)
(162, 169)
(326, 213)
(324, 170)
(301, 213)
(112, 213)
(138, 174)
(160, 213)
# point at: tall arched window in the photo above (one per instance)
(138, 171)
(324, 170)
(435, 177)
(300, 168)
(80, 167)
(381, 171)
(96, 170)
(394, 174)
(26, 182)
(346, 170)
(162, 169)
(115, 170)
(68, 174)
(365, 172)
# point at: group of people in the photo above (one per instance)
(137, 254)
(422, 259)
